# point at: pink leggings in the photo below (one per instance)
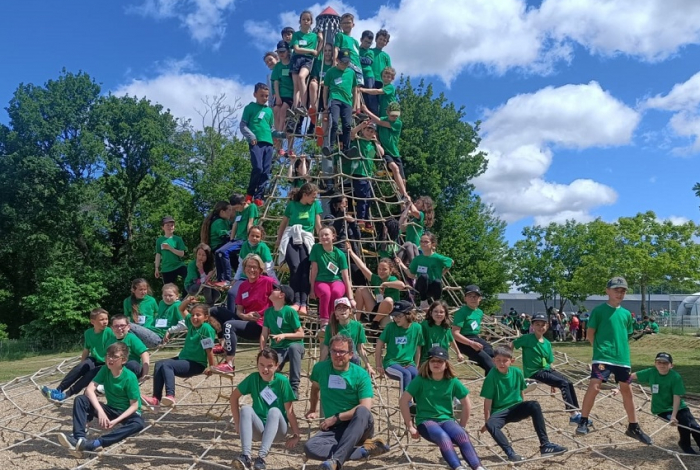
(327, 293)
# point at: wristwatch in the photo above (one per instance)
(337, 417)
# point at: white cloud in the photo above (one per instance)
(520, 136)
(684, 100)
(675, 219)
(205, 20)
(650, 30)
(183, 93)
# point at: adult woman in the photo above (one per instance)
(252, 299)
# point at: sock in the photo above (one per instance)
(363, 452)
(633, 425)
(584, 419)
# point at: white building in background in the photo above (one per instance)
(688, 311)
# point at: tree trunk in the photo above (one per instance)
(643, 291)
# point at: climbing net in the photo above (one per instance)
(198, 432)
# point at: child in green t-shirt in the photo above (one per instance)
(358, 163)
(123, 405)
(416, 217)
(306, 45)
(344, 41)
(170, 249)
(466, 328)
(282, 326)
(245, 215)
(403, 339)
(437, 331)
(141, 309)
(340, 84)
(381, 58)
(609, 328)
(271, 414)
(200, 271)
(96, 340)
(367, 62)
(342, 322)
(537, 364)
(384, 95)
(138, 360)
(329, 277)
(434, 391)
(666, 402)
(389, 131)
(504, 403)
(257, 124)
(427, 269)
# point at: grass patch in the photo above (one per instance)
(684, 349)
(11, 369)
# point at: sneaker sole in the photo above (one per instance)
(167, 402)
(220, 372)
(238, 465)
(551, 454)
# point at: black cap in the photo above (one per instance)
(539, 317)
(282, 46)
(439, 353)
(472, 288)
(662, 356)
(401, 307)
(167, 219)
(288, 293)
(344, 56)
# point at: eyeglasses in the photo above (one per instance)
(339, 352)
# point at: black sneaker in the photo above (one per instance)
(582, 428)
(687, 449)
(86, 445)
(513, 457)
(259, 464)
(352, 152)
(637, 433)
(326, 151)
(242, 462)
(552, 449)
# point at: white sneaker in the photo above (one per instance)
(100, 390)
(531, 386)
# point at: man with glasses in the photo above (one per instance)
(345, 391)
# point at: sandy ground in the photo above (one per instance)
(197, 433)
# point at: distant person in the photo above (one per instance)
(170, 249)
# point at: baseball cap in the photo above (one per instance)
(617, 282)
(344, 56)
(472, 288)
(167, 219)
(372, 125)
(401, 307)
(439, 353)
(282, 46)
(539, 317)
(342, 301)
(666, 357)
(288, 293)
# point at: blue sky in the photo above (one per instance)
(589, 109)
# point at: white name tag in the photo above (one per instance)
(435, 345)
(261, 115)
(285, 72)
(162, 323)
(279, 322)
(302, 42)
(338, 80)
(474, 325)
(336, 382)
(332, 268)
(422, 270)
(268, 395)
(207, 343)
(655, 388)
(401, 340)
(244, 295)
(238, 218)
(142, 320)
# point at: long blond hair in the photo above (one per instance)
(424, 371)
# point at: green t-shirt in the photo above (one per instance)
(654, 327)
(303, 214)
(432, 265)
(120, 391)
(260, 121)
(537, 354)
(167, 316)
(343, 41)
(192, 273)
(330, 263)
(249, 212)
(354, 330)
(389, 96)
(381, 61)
(434, 397)
(389, 136)
(364, 164)
(367, 70)
(97, 343)
(281, 321)
(282, 393)
(282, 73)
(468, 320)
(526, 325)
(305, 41)
(219, 232)
(148, 309)
(261, 249)
(433, 336)
(504, 390)
(320, 68)
(376, 281)
(401, 344)
(341, 390)
(193, 350)
(612, 327)
(340, 84)
(663, 388)
(168, 260)
(135, 345)
(414, 229)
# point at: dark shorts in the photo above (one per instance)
(287, 101)
(391, 159)
(603, 371)
(301, 62)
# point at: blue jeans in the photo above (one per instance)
(372, 101)
(261, 159)
(404, 374)
(445, 434)
(84, 412)
(341, 113)
(222, 258)
(362, 188)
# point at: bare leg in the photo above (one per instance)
(397, 178)
(628, 402)
(303, 87)
(590, 396)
